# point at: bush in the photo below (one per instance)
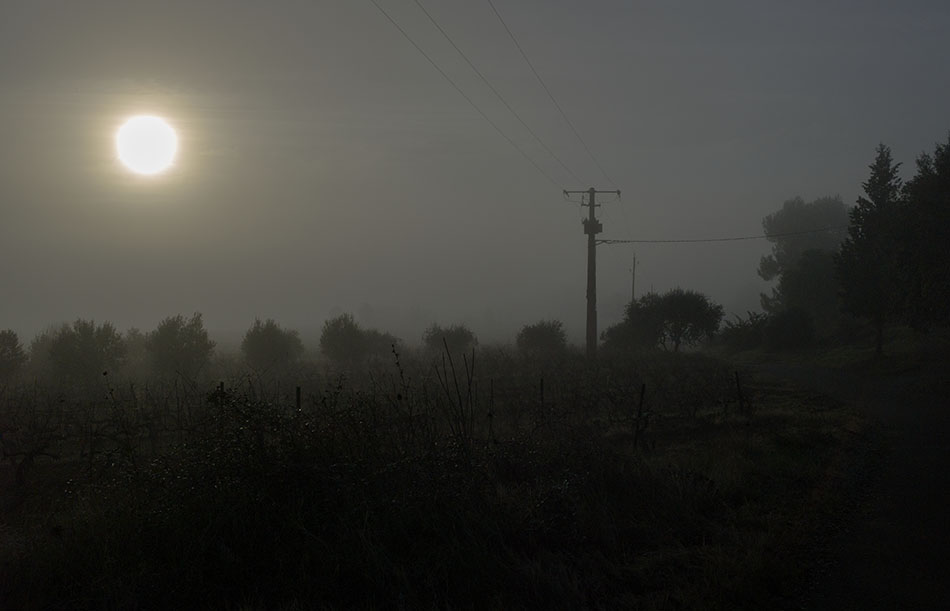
(544, 337)
(744, 334)
(790, 329)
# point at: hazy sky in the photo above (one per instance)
(325, 166)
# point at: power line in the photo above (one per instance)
(463, 94)
(550, 95)
(735, 239)
(496, 92)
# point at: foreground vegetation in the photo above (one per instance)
(475, 481)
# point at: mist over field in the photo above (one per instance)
(325, 166)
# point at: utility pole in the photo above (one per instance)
(633, 280)
(591, 227)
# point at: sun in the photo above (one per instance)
(146, 144)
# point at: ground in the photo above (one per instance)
(891, 551)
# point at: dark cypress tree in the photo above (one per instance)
(867, 263)
(925, 240)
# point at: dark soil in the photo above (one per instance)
(892, 551)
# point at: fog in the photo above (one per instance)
(326, 167)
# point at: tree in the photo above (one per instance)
(84, 350)
(12, 356)
(266, 345)
(458, 338)
(924, 259)
(866, 265)
(642, 326)
(803, 263)
(40, 362)
(689, 318)
(545, 337)
(342, 340)
(811, 285)
(136, 359)
(179, 346)
(378, 344)
(744, 334)
(674, 319)
(798, 216)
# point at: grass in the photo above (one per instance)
(904, 350)
(498, 484)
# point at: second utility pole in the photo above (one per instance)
(592, 227)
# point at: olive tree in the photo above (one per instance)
(458, 338)
(674, 319)
(179, 346)
(12, 356)
(543, 337)
(266, 345)
(84, 349)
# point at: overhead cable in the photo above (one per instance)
(550, 95)
(768, 236)
(464, 95)
(497, 93)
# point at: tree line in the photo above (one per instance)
(895, 264)
(891, 266)
(180, 347)
(837, 270)
(881, 262)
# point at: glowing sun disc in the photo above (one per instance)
(146, 144)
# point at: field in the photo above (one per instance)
(484, 480)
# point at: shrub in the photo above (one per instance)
(744, 334)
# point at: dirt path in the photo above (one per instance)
(894, 553)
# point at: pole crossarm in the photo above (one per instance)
(588, 191)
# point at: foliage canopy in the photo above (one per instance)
(12, 356)
(924, 258)
(798, 216)
(266, 345)
(179, 346)
(458, 338)
(84, 350)
(342, 340)
(866, 265)
(543, 337)
(676, 318)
